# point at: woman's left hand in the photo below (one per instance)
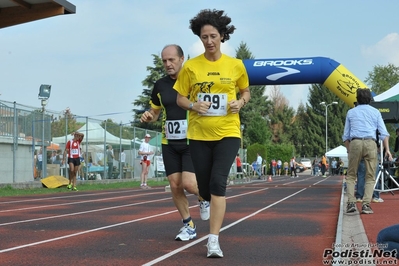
(235, 106)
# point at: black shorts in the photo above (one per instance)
(74, 161)
(177, 158)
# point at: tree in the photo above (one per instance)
(300, 137)
(143, 102)
(58, 126)
(115, 129)
(280, 116)
(254, 115)
(315, 121)
(382, 78)
(257, 130)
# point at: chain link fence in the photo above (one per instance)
(28, 131)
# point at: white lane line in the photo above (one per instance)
(75, 202)
(75, 195)
(320, 181)
(83, 212)
(166, 256)
(83, 232)
(109, 226)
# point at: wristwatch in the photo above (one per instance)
(190, 106)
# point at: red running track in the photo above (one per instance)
(283, 222)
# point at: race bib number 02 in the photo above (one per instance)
(218, 105)
(176, 129)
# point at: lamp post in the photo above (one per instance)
(326, 106)
(44, 94)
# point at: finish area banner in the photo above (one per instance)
(308, 70)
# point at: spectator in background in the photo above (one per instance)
(35, 164)
(279, 166)
(274, 167)
(323, 165)
(341, 166)
(259, 165)
(146, 153)
(286, 168)
(315, 167)
(239, 166)
(293, 165)
(110, 160)
(58, 158)
(53, 157)
(39, 163)
(81, 166)
(334, 165)
(253, 165)
(122, 160)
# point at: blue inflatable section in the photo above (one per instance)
(281, 71)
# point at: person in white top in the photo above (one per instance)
(39, 163)
(122, 161)
(279, 166)
(259, 166)
(146, 154)
(293, 164)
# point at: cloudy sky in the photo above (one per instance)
(96, 59)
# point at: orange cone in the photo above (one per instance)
(270, 178)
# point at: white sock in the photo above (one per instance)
(213, 238)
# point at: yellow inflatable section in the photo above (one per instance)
(344, 84)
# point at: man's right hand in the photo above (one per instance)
(146, 117)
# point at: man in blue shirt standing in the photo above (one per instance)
(359, 136)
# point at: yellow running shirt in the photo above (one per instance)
(217, 82)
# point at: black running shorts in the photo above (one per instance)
(176, 158)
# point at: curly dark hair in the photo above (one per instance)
(215, 18)
(363, 96)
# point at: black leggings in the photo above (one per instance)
(212, 163)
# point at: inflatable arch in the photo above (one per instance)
(307, 70)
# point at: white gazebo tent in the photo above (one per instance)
(94, 134)
(339, 151)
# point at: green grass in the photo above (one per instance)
(9, 191)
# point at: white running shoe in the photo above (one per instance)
(378, 200)
(186, 233)
(205, 211)
(214, 250)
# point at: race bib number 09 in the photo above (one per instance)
(176, 129)
(218, 105)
